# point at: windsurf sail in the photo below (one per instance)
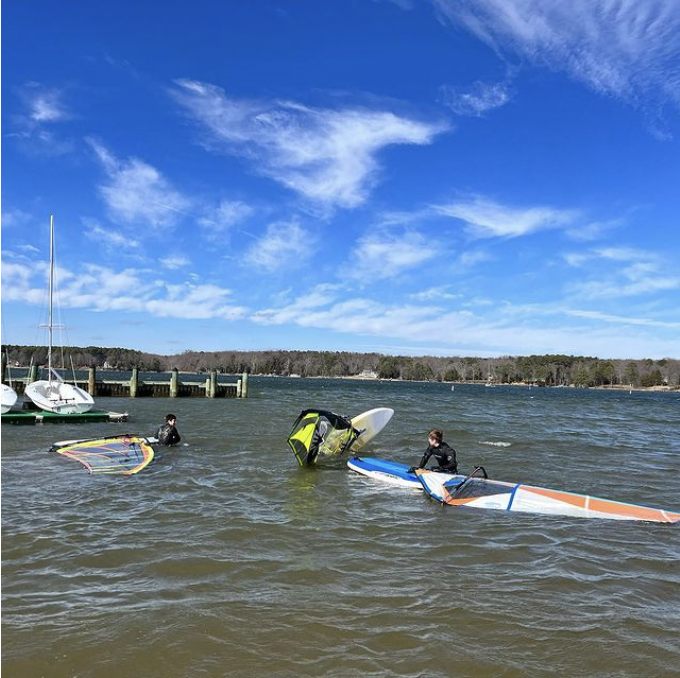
(476, 490)
(483, 493)
(318, 432)
(126, 455)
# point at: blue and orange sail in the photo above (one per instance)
(123, 455)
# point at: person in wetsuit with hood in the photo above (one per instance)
(167, 434)
(441, 451)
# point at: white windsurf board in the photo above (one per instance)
(370, 424)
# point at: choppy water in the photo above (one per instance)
(226, 559)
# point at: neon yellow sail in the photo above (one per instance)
(320, 432)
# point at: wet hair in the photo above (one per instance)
(170, 417)
(437, 434)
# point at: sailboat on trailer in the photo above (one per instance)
(54, 394)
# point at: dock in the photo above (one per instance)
(27, 417)
(134, 387)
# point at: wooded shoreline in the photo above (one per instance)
(537, 370)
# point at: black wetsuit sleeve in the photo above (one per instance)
(426, 456)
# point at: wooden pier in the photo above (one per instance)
(136, 388)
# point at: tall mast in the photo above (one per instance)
(49, 321)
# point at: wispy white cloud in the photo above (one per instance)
(306, 304)
(31, 249)
(622, 320)
(486, 218)
(132, 290)
(327, 156)
(387, 219)
(193, 302)
(624, 48)
(46, 105)
(594, 230)
(14, 218)
(17, 280)
(219, 221)
(477, 99)
(109, 238)
(576, 258)
(472, 258)
(34, 125)
(435, 293)
(136, 193)
(486, 329)
(285, 244)
(631, 284)
(359, 315)
(615, 272)
(619, 254)
(386, 254)
(174, 261)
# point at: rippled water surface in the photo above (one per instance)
(226, 559)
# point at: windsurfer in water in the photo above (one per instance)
(167, 434)
(441, 451)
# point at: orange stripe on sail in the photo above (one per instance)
(607, 506)
(577, 500)
(458, 502)
(632, 511)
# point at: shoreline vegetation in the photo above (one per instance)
(560, 371)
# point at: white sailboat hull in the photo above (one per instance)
(9, 397)
(59, 397)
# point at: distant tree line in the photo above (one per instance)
(543, 370)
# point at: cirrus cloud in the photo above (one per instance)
(475, 100)
(625, 48)
(327, 156)
(131, 290)
(283, 245)
(487, 218)
(137, 193)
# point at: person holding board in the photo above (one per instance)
(444, 454)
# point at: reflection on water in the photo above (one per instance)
(226, 558)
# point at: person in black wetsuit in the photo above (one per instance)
(167, 434)
(441, 451)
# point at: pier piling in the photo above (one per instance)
(174, 383)
(134, 382)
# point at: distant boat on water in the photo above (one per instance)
(54, 394)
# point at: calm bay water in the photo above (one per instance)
(226, 559)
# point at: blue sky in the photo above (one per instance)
(469, 177)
